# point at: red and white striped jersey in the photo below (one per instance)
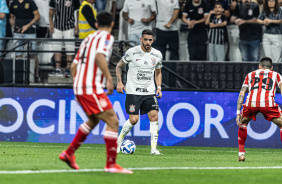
(89, 78)
(262, 85)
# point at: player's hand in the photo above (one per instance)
(159, 93)
(110, 87)
(238, 120)
(76, 30)
(120, 87)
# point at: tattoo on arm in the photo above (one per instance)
(119, 67)
(241, 97)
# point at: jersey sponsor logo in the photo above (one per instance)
(103, 102)
(142, 89)
(145, 63)
(15, 7)
(143, 5)
(68, 3)
(26, 6)
(219, 21)
(200, 11)
(132, 108)
(138, 59)
(250, 12)
(136, 53)
(191, 10)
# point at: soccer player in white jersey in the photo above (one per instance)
(261, 85)
(144, 63)
(90, 72)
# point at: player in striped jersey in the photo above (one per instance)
(90, 72)
(261, 85)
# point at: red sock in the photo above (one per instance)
(242, 136)
(111, 147)
(281, 134)
(79, 138)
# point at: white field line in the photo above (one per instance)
(136, 169)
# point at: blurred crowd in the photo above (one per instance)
(195, 30)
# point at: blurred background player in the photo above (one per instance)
(143, 62)
(261, 85)
(88, 68)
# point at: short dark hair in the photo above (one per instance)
(147, 32)
(218, 3)
(266, 62)
(104, 19)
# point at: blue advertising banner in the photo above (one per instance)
(185, 119)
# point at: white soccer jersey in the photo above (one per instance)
(142, 65)
(89, 78)
(165, 11)
(138, 9)
(262, 87)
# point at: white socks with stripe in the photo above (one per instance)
(125, 129)
(154, 130)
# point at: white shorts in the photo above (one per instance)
(68, 34)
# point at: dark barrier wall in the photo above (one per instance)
(185, 118)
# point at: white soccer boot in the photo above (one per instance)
(119, 142)
(155, 152)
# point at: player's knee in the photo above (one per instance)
(154, 117)
(133, 120)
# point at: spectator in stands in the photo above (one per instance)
(245, 16)
(217, 37)
(86, 19)
(43, 23)
(111, 7)
(167, 33)
(4, 10)
(63, 28)
(271, 17)
(195, 14)
(23, 16)
(139, 14)
(226, 11)
(280, 3)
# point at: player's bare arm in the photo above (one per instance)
(102, 64)
(158, 78)
(280, 86)
(120, 86)
(240, 101)
(73, 69)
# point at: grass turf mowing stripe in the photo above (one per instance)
(136, 169)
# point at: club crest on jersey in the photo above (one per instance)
(145, 63)
(154, 61)
(200, 11)
(107, 42)
(250, 12)
(143, 5)
(219, 21)
(132, 108)
(26, 6)
(68, 3)
(103, 102)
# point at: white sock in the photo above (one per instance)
(241, 153)
(125, 129)
(154, 130)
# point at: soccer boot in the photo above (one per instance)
(119, 142)
(117, 169)
(155, 152)
(70, 160)
(241, 158)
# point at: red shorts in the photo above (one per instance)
(94, 104)
(268, 112)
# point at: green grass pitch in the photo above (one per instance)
(195, 165)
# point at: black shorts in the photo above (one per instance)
(42, 32)
(144, 103)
